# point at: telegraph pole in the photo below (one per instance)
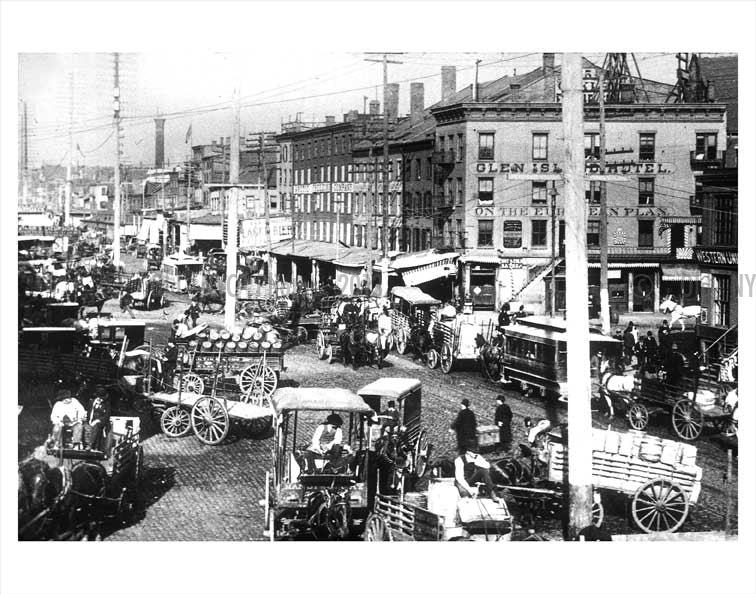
(369, 212)
(69, 179)
(553, 248)
(233, 215)
(578, 367)
(117, 167)
(271, 278)
(188, 188)
(603, 217)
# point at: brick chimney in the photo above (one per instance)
(375, 107)
(549, 79)
(515, 92)
(329, 120)
(392, 101)
(448, 81)
(159, 142)
(417, 101)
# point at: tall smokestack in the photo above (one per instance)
(392, 101)
(549, 80)
(375, 107)
(159, 142)
(417, 101)
(448, 82)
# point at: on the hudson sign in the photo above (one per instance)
(591, 168)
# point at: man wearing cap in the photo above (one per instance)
(99, 417)
(325, 437)
(465, 426)
(67, 412)
(471, 468)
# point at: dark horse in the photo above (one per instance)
(420, 339)
(355, 346)
(489, 356)
(209, 298)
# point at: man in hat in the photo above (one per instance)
(389, 418)
(384, 328)
(99, 417)
(67, 412)
(170, 362)
(471, 468)
(503, 420)
(674, 365)
(326, 435)
(466, 427)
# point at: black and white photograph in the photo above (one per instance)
(389, 292)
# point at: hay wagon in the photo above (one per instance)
(457, 341)
(412, 309)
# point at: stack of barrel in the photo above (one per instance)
(254, 338)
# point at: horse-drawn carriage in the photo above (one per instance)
(411, 315)
(659, 476)
(332, 500)
(154, 257)
(144, 293)
(460, 339)
(179, 272)
(74, 494)
(345, 333)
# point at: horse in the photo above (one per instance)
(208, 296)
(489, 356)
(678, 312)
(42, 495)
(420, 339)
(614, 383)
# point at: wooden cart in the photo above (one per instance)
(457, 339)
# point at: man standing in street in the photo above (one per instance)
(503, 420)
(466, 427)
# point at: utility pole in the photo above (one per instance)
(264, 182)
(554, 194)
(188, 188)
(117, 166)
(233, 215)
(603, 217)
(580, 451)
(69, 179)
(371, 165)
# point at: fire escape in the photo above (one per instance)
(442, 203)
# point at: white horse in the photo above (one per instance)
(678, 312)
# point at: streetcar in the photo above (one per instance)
(534, 355)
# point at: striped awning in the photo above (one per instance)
(680, 272)
(481, 258)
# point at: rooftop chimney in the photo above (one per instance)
(448, 81)
(375, 107)
(515, 92)
(392, 101)
(417, 101)
(351, 116)
(549, 80)
(159, 142)
(330, 120)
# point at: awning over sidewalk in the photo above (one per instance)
(616, 265)
(481, 257)
(681, 272)
(424, 267)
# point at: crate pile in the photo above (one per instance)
(625, 461)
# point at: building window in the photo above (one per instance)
(429, 168)
(538, 233)
(485, 146)
(540, 147)
(646, 191)
(721, 299)
(459, 241)
(539, 193)
(460, 192)
(591, 143)
(593, 193)
(646, 233)
(418, 169)
(485, 232)
(647, 146)
(592, 237)
(460, 147)
(724, 221)
(485, 189)
(706, 147)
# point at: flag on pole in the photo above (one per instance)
(188, 133)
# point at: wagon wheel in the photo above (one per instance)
(491, 370)
(687, 419)
(660, 506)
(209, 420)
(191, 383)
(421, 454)
(329, 353)
(265, 383)
(175, 422)
(432, 359)
(320, 343)
(149, 301)
(302, 335)
(447, 358)
(401, 341)
(161, 300)
(270, 305)
(637, 416)
(727, 426)
(375, 529)
(597, 513)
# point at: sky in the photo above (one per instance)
(61, 88)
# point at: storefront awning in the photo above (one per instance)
(680, 272)
(481, 257)
(429, 272)
(616, 265)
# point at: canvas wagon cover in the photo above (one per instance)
(391, 387)
(414, 296)
(336, 399)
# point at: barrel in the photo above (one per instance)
(225, 335)
(230, 346)
(258, 336)
(248, 332)
(241, 345)
(265, 345)
(207, 345)
(266, 327)
(219, 344)
(236, 337)
(651, 448)
(202, 335)
(214, 335)
(192, 344)
(272, 336)
(277, 346)
(254, 346)
(442, 499)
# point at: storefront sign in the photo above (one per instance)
(253, 232)
(545, 211)
(725, 258)
(706, 280)
(512, 234)
(591, 168)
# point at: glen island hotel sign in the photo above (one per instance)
(591, 168)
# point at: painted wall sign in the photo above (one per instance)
(512, 234)
(717, 257)
(591, 168)
(593, 211)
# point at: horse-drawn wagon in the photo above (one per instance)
(179, 272)
(344, 333)
(73, 494)
(144, 293)
(460, 339)
(411, 315)
(330, 501)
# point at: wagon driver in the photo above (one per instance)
(384, 327)
(325, 437)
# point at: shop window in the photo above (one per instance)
(706, 147)
(592, 236)
(645, 233)
(539, 193)
(540, 147)
(721, 298)
(646, 191)
(591, 144)
(485, 232)
(538, 233)
(485, 146)
(646, 146)
(485, 190)
(593, 193)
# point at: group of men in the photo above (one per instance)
(68, 413)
